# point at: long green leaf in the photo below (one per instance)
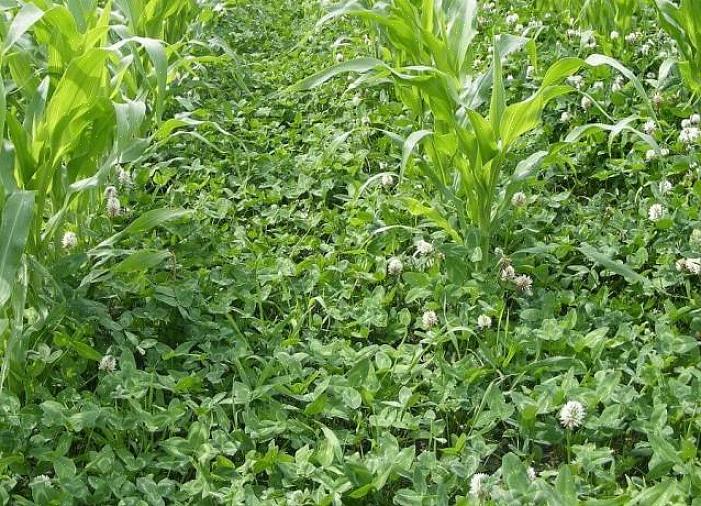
(617, 267)
(145, 222)
(23, 21)
(14, 230)
(357, 65)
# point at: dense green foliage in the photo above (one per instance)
(295, 302)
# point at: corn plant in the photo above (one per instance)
(76, 97)
(682, 22)
(601, 15)
(165, 20)
(467, 151)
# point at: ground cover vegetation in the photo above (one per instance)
(410, 252)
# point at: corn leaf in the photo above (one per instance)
(14, 230)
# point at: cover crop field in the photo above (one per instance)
(350, 252)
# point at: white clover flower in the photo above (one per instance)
(686, 123)
(575, 81)
(598, 85)
(124, 177)
(524, 283)
(572, 415)
(532, 474)
(665, 186)
(519, 199)
(507, 273)
(424, 248)
(657, 99)
(512, 18)
(645, 49)
(339, 57)
(429, 319)
(695, 237)
(477, 485)
(484, 321)
(614, 35)
(395, 266)
(572, 33)
(650, 127)
(110, 191)
(618, 83)
(689, 135)
(664, 152)
(586, 102)
(650, 155)
(689, 265)
(70, 240)
(565, 117)
(107, 363)
(488, 7)
(695, 119)
(114, 207)
(632, 37)
(693, 265)
(42, 479)
(655, 212)
(387, 180)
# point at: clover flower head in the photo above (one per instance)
(429, 319)
(477, 484)
(114, 207)
(424, 247)
(387, 180)
(655, 212)
(665, 186)
(632, 37)
(650, 127)
(524, 284)
(532, 474)
(618, 83)
(519, 199)
(572, 415)
(484, 321)
(507, 273)
(42, 479)
(394, 266)
(124, 177)
(689, 134)
(69, 240)
(107, 363)
(576, 81)
(689, 265)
